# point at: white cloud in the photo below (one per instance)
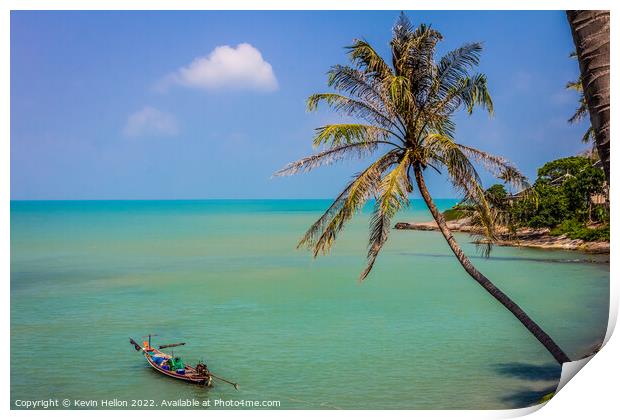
(240, 68)
(150, 122)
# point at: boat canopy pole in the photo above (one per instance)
(149, 336)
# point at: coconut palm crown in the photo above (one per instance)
(406, 110)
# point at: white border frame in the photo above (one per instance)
(592, 394)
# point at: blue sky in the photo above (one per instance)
(144, 105)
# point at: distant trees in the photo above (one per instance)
(497, 196)
(568, 197)
(563, 190)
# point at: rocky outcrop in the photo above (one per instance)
(460, 225)
(532, 238)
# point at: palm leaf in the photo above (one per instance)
(363, 85)
(321, 235)
(576, 85)
(400, 94)
(463, 175)
(350, 107)
(364, 56)
(328, 157)
(588, 136)
(335, 135)
(393, 195)
(581, 112)
(497, 166)
(413, 58)
(469, 92)
(456, 65)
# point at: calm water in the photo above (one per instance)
(226, 277)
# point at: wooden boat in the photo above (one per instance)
(172, 366)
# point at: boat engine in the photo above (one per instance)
(201, 369)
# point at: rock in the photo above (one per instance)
(527, 237)
(417, 226)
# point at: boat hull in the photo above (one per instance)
(190, 374)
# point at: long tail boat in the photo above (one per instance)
(174, 367)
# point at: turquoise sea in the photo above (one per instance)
(225, 277)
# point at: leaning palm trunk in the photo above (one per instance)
(508, 303)
(590, 30)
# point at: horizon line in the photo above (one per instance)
(196, 199)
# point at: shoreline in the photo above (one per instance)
(529, 238)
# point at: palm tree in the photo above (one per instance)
(590, 30)
(407, 108)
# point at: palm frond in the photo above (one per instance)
(360, 84)
(403, 27)
(469, 92)
(463, 175)
(335, 135)
(476, 93)
(400, 94)
(393, 195)
(321, 235)
(350, 107)
(456, 65)
(581, 112)
(513, 177)
(413, 57)
(439, 124)
(588, 136)
(497, 166)
(328, 157)
(576, 85)
(364, 56)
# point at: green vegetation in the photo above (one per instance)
(454, 213)
(561, 199)
(563, 191)
(575, 230)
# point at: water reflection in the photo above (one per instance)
(532, 372)
(534, 392)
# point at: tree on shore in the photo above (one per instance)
(407, 108)
(590, 29)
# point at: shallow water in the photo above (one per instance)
(225, 277)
